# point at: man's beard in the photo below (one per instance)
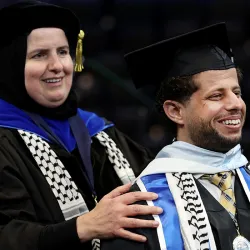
(205, 136)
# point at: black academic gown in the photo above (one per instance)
(223, 227)
(30, 217)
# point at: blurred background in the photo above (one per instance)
(115, 27)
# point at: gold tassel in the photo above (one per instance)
(79, 66)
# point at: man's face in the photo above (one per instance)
(214, 116)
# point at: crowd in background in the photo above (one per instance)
(115, 27)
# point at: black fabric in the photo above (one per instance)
(198, 59)
(13, 47)
(191, 53)
(30, 217)
(222, 225)
(25, 15)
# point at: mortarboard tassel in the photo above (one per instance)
(79, 66)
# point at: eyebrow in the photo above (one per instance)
(221, 89)
(45, 50)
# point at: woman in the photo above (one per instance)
(57, 161)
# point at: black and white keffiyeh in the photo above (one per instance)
(193, 219)
(116, 157)
(194, 224)
(64, 188)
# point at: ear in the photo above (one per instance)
(174, 111)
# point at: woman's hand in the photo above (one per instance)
(111, 215)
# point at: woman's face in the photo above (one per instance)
(48, 67)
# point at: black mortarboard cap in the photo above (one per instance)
(194, 52)
(24, 16)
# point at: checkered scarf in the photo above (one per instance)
(58, 178)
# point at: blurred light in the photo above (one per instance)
(85, 81)
(107, 23)
(156, 132)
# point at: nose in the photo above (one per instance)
(234, 102)
(55, 64)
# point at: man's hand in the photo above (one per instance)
(111, 215)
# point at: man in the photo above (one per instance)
(202, 179)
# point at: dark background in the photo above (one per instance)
(115, 27)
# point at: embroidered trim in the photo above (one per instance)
(96, 244)
(58, 178)
(116, 157)
(192, 215)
